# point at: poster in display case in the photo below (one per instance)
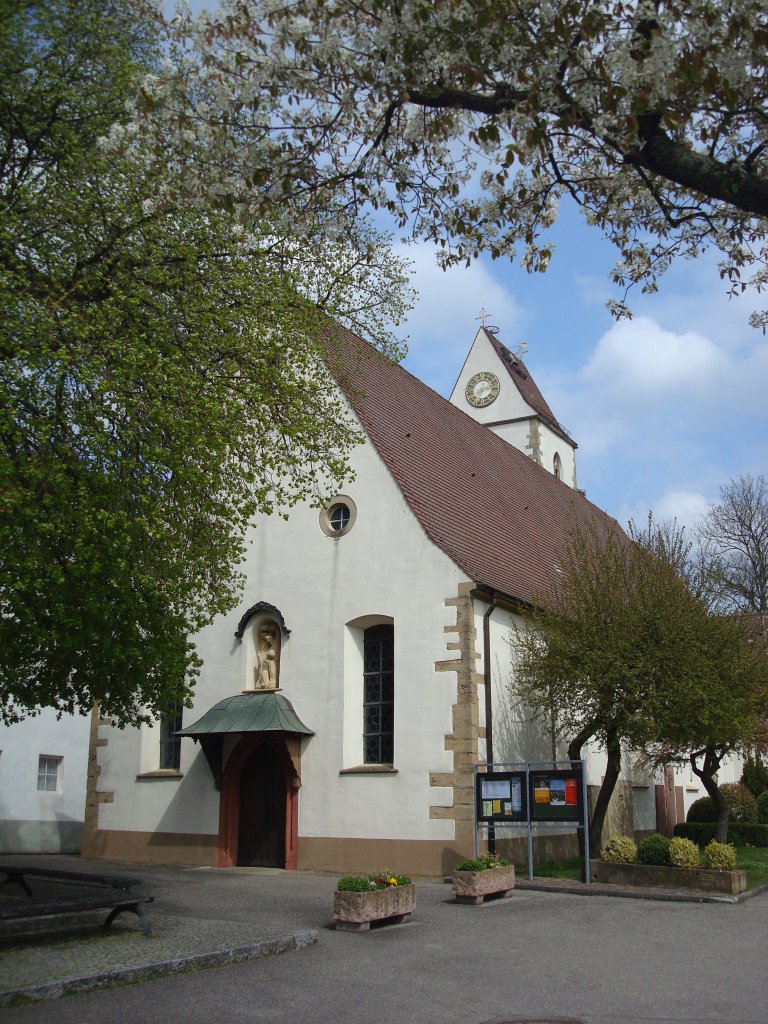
(556, 795)
(501, 796)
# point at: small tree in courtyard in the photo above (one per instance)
(721, 711)
(623, 647)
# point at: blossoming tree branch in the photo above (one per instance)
(470, 121)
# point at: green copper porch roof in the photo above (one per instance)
(248, 712)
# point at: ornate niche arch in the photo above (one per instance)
(264, 629)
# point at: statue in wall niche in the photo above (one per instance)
(266, 673)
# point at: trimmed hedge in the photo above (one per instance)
(702, 810)
(739, 833)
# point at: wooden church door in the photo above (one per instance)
(261, 827)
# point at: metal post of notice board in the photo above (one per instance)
(477, 837)
(585, 823)
(530, 824)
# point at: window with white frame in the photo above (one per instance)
(48, 774)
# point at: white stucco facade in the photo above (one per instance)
(43, 820)
(328, 589)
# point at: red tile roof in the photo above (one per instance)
(526, 385)
(503, 520)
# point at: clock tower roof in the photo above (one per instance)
(489, 361)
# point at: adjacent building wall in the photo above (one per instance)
(35, 821)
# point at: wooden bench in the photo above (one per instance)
(76, 892)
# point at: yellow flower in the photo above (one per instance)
(393, 881)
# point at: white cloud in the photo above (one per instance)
(442, 324)
(638, 361)
(651, 387)
(687, 507)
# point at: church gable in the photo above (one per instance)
(496, 389)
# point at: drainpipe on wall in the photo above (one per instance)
(488, 699)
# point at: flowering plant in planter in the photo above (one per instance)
(375, 880)
(379, 896)
(484, 862)
(478, 877)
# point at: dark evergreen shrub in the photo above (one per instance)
(739, 833)
(653, 849)
(702, 810)
(762, 808)
(755, 776)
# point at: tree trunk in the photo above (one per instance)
(706, 773)
(574, 754)
(612, 771)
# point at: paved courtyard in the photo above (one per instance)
(538, 956)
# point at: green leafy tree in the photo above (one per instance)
(626, 653)
(160, 377)
(471, 121)
(719, 711)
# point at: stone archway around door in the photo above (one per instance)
(256, 756)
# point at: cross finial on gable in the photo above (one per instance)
(484, 314)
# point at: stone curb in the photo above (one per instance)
(174, 965)
(598, 889)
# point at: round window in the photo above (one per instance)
(338, 517)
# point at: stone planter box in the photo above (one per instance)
(474, 886)
(701, 879)
(354, 911)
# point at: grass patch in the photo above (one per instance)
(573, 868)
(752, 859)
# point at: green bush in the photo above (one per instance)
(482, 863)
(741, 801)
(354, 883)
(762, 808)
(620, 850)
(683, 853)
(739, 833)
(755, 776)
(738, 797)
(653, 849)
(702, 810)
(720, 856)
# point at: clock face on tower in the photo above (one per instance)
(482, 389)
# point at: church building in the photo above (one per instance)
(340, 712)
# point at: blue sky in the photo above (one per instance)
(665, 408)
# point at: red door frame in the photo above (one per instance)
(229, 801)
